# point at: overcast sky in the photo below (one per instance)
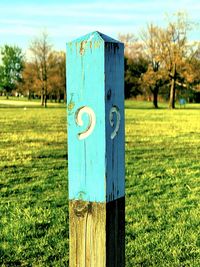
(65, 20)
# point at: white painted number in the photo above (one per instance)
(91, 123)
(111, 118)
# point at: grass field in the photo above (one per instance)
(162, 185)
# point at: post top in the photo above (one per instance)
(95, 36)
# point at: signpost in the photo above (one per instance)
(95, 96)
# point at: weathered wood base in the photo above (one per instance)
(97, 233)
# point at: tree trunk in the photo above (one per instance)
(50, 98)
(173, 88)
(45, 100)
(42, 98)
(155, 97)
(58, 97)
(7, 94)
(65, 96)
(29, 95)
(45, 95)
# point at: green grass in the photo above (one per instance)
(22, 102)
(162, 186)
(33, 187)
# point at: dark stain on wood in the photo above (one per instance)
(109, 94)
(115, 233)
(112, 47)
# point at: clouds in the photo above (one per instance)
(65, 20)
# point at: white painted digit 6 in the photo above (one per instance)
(91, 124)
(111, 118)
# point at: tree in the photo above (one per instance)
(153, 79)
(134, 68)
(132, 48)
(11, 68)
(41, 49)
(56, 83)
(57, 79)
(173, 47)
(30, 82)
(193, 72)
(135, 64)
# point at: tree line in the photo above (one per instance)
(162, 63)
(159, 64)
(42, 76)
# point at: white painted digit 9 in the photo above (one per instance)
(91, 123)
(115, 110)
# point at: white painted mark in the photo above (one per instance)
(115, 110)
(91, 123)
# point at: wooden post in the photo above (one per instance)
(95, 96)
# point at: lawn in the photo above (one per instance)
(162, 185)
(33, 187)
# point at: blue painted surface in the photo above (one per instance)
(95, 76)
(114, 88)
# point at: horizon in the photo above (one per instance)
(67, 20)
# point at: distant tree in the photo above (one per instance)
(152, 81)
(132, 48)
(153, 78)
(30, 82)
(135, 64)
(174, 47)
(41, 50)
(134, 68)
(11, 67)
(192, 73)
(56, 83)
(169, 54)
(194, 64)
(57, 78)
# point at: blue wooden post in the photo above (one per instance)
(95, 96)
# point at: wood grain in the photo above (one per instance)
(97, 233)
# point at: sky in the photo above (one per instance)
(23, 20)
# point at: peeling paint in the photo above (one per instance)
(96, 44)
(71, 104)
(82, 47)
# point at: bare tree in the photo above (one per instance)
(41, 50)
(133, 47)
